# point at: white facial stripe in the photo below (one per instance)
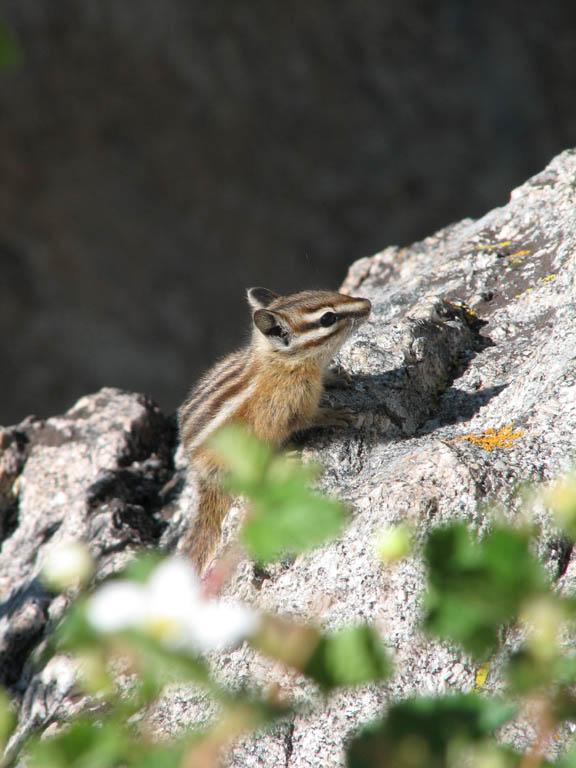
(226, 412)
(310, 317)
(345, 309)
(349, 307)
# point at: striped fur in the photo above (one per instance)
(226, 386)
(273, 386)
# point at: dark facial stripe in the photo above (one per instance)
(354, 314)
(306, 327)
(320, 340)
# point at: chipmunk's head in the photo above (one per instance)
(306, 324)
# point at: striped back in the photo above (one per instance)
(216, 397)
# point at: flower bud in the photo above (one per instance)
(393, 543)
(68, 564)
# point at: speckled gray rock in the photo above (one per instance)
(473, 329)
(93, 474)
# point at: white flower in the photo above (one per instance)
(67, 564)
(117, 605)
(221, 625)
(172, 608)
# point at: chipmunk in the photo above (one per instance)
(272, 386)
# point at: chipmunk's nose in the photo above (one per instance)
(357, 309)
(365, 306)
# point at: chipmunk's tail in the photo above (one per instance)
(203, 536)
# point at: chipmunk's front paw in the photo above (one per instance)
(337, 378)
(343, 418)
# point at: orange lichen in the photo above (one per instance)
(525, 252)
(491, 439)
(462, 306)
(487, 247)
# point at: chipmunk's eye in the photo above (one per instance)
(327, 319)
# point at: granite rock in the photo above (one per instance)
(471, 345)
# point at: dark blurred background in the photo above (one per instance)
(159, 156)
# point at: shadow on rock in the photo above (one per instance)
(23, 617)
(457, 405)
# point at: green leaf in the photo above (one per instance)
(158, 664)
(244, 456)
(427, 732)
(81, 745)
(105, 743)
(141, 568)
(561, 499)
(292, 524)
(569, 760)
(351, 656)
(75, 632)
(7, 719)
(526, 674)
(286, 517)
(565, 669)
(475, 587)
(160, 757)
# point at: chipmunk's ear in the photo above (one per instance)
(259, 298)
(273, 327)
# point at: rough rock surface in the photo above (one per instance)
(426, 372)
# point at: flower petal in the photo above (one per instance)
(218, 625)
(117, 605)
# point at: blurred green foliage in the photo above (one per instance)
(7, 720)
(286, 516)
(561, 498)
(352, 656)
(86, 744)
(475, 588)
(431, 732)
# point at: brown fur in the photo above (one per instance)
(287, 386)
(203, 536)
